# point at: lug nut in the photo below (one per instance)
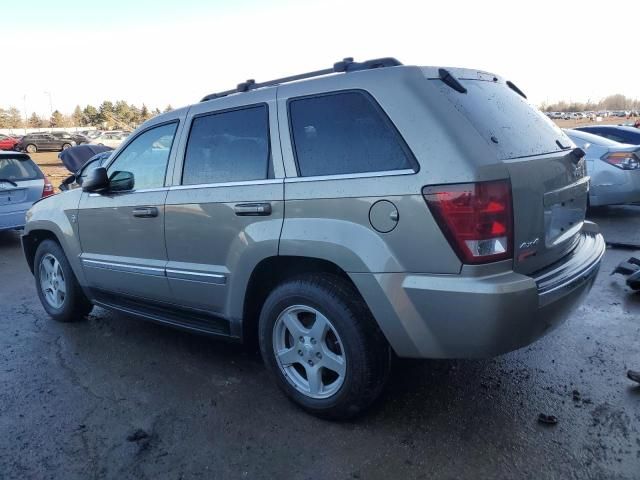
(310, 362)
(313, 341)
(301, 339)
(300, 352)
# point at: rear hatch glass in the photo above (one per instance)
(548, 183)
(18, 168)
(499, 114)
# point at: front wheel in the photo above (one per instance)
(322, 346)
(65, 146)
(58, 288)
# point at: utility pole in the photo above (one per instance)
(50, 104)
(26, 120)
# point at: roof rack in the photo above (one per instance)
(346, 65)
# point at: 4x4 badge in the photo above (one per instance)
(529, 244)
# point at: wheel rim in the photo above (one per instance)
(52, 284)
(31, 149)
(309, 351)
(65, 146)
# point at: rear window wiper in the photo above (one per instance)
(450, 80)
(9, 181)
(515, 88)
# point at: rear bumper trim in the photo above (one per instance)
(574, 269)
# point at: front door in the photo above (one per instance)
(225, 211)
(122, 233)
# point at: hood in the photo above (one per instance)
(75, 157)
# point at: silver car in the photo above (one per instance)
(21, 184)
(614, 169)
(334, 218)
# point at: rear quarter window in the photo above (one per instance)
(345, 133)
(18, 168)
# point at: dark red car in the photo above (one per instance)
(7, 143)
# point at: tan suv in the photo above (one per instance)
(337, 217)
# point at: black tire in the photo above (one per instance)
(65, 146)
(367, 353)
(31, 148)
(75, 306)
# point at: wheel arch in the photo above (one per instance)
(32, 240)
(269, 273)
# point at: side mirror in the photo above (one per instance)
(96, 181)
(120, 181)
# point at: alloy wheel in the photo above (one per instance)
(52, 281)
(309, 351)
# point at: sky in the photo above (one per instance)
(160, 52)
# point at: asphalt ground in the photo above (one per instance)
(116, 397)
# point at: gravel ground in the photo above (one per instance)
(115, 397)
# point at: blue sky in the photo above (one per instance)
(162, 52)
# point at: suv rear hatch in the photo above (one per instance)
(21, 182)
(548, 180)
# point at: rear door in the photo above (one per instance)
(549, 185)
(21, 184)
(122, 233)
(225, 211)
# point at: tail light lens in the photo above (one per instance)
(48, 188)
(476, 218)
(623, 160)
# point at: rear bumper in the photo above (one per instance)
(456, 316)
(13, 220)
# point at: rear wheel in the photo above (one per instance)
(58, 288)
(323, 347)
(31, 148)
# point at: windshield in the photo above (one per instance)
(18, 168)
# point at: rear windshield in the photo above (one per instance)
(18, 168)
(497, 111)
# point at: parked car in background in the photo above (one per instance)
(620, 134)
(77, 138)
(21, 183)
(34, 142)
(110, 139)
(614, 168)
(7, 142)
(338, 219)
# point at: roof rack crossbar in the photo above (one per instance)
(345, 66)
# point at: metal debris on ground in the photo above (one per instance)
(547, 419)
(630, 269)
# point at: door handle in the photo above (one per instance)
(252, 209)
(145, 212)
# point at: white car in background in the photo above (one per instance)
(110, 139)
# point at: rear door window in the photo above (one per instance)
(18, 168)
(229, 146)
(345, 133)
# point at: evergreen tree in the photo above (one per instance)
(78, 117)
(35, 121)
(57, 119)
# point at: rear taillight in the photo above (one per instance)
(476, 218)
(623, 160)
(48, 188)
